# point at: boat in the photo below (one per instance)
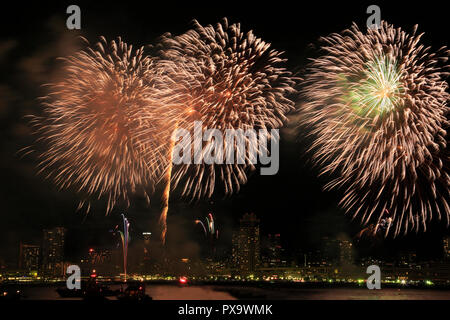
(69, 293)
(183, 281)
(10, 293)
(89, 290)
(134, 292)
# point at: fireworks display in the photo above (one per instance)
(224, 151)
(231, 80)
(125, 238)
(376, 104)
(203, 226)
(109, 122)
(226, 80)
(210, 231)
(106, 124)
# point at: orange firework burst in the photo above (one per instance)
(228, 80)
(106, 124)
(377, 103)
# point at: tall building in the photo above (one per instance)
(405, 258)
(29, 257)
(337, 251)
(447, 247)
(146, 236)
(272, 251)
(98, 259)
(345, 252)
(329, 251)
(146, 263)
(234, 260)
(53, 251)
(248, 243)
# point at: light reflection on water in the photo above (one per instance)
(170, 292)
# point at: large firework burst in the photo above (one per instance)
(376, 103)
(104, 124)
(232, 81)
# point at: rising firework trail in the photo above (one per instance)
(376, 104)
(166, 193)
(210, 224)
(203, 226)
(227, 80)
(106, 124)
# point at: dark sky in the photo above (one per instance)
(292, 203)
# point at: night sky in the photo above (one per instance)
(291, 203)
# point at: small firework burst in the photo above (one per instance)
(378, 91)
(377, 105)
(103, 127)
(232, 81)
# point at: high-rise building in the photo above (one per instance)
(234, 260)
(345, 252)
(146, 236)
(53, 251)
(29, 257)
(272, 251)
(446, 241)
(98, 259)
(328, 253)
(337, 251)
(147, 261)
(405, 258)
(248, 243)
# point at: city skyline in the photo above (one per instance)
(250, 253)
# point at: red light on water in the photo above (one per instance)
(183, 280)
